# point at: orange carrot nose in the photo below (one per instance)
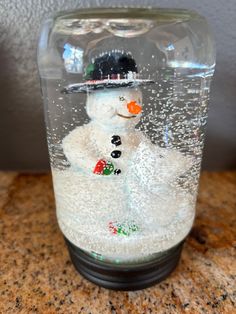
(133, 107)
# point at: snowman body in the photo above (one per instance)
(87, 144)
(142, 185)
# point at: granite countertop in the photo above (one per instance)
(38, 277)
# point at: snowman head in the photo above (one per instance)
(115, 108)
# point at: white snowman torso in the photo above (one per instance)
(88, 144)
(106, 143)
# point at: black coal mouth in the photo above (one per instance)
(125, 117)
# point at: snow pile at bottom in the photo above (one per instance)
(87, 204)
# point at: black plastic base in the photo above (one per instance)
(125, 277)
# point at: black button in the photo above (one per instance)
(117, 171)
(116, 154)
(115, 139)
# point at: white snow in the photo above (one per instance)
(86, 204)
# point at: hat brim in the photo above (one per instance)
(102, 84)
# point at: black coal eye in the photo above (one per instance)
(121, 98)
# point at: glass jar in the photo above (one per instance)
(126, 93)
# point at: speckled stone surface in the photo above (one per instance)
(36, 275)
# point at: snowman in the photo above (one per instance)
(130, 183)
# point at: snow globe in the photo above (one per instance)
(126, 94)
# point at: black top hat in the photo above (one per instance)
(112, 69)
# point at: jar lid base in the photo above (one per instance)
(125, 277)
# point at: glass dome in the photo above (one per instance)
(126, 93)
